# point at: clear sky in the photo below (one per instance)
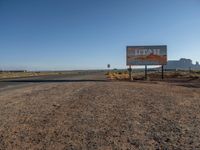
(89, 34)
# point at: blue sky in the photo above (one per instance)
(89, 34)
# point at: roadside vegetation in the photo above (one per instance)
(117, 75)
(137, 75)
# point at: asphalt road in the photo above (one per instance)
(7, 84)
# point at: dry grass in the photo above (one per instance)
(154, 75)
(118, 75)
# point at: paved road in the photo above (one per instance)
(7, 84)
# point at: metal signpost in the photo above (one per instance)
(146, 55)
(145, 72)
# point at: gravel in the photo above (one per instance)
(100, 115)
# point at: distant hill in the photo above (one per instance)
(183, 64)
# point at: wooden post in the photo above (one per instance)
(130, 73)
(162, 72)
(145, 72)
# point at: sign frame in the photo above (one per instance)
(146, 55)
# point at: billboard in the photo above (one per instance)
(146, 55)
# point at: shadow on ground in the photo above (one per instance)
(185, 82)
(188, 82)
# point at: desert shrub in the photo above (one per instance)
(117, 75)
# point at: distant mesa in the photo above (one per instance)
(182, 64)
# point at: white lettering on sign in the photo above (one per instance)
(137, 52)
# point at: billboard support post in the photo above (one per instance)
(162, 72)
(130, 72)
(145, 72)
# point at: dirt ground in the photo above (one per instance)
(101, 115)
